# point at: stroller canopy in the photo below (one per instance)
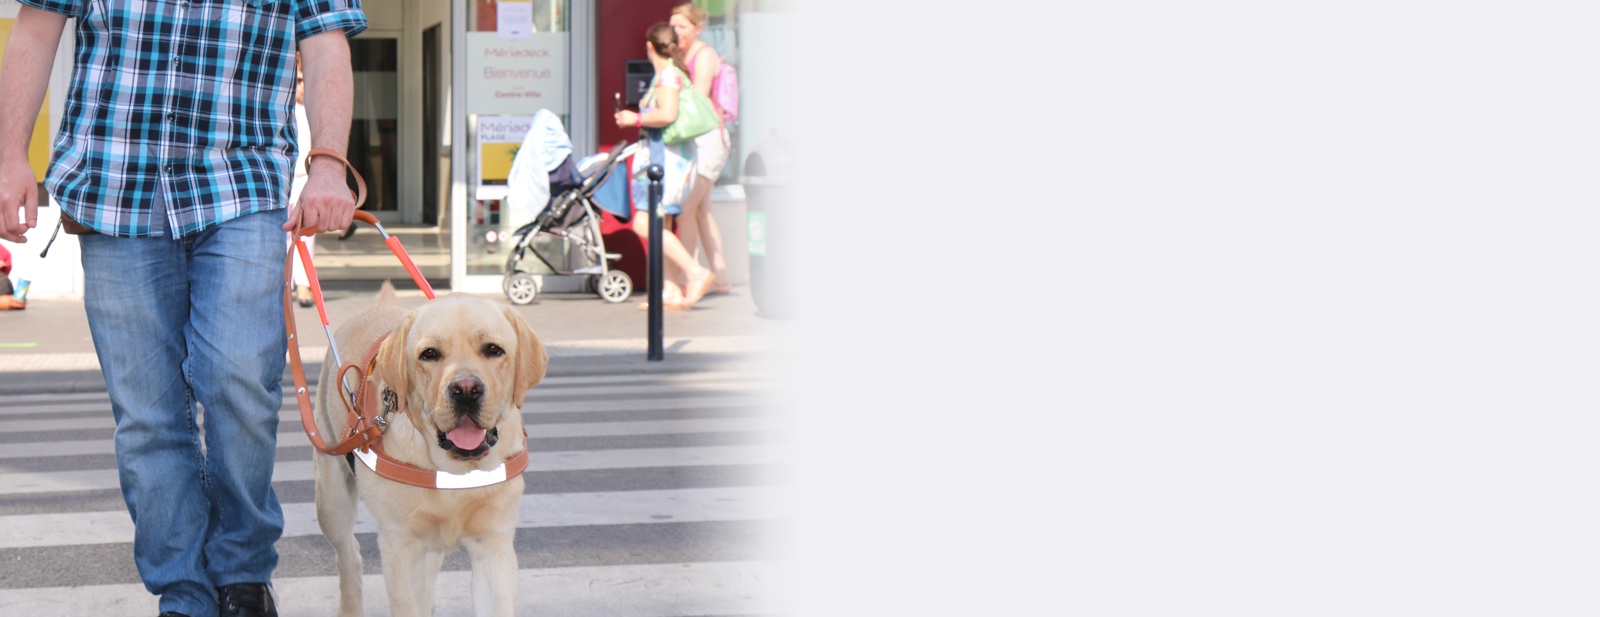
(544, 150)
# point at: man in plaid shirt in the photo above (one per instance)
(175, 146)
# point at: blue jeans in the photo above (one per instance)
(178, 323)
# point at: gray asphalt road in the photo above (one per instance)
(647, 493)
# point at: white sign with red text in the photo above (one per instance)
(510, 77)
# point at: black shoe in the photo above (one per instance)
(172, 614)
(349, 231)
(245, 600)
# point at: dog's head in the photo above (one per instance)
(460, 367)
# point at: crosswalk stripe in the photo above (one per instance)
(106, 421)
(676, 378)
(735, 344)
(100, 479)
(297, 437)
(535, 396)
(550, 383)
(537, 510)
(650, 590)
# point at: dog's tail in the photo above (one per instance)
(386, 295)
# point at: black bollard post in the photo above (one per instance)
(655, 351)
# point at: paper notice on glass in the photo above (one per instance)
(515, 19)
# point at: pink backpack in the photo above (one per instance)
(725, 91)
(724, 88)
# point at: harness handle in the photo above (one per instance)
(359, 431)
(363, 433)
(360, 193)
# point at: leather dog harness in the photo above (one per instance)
(365, 423)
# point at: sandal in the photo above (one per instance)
(672, 301)
(698, 287)
(666, 305)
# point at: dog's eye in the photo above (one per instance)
(493, 351)
(430, 354)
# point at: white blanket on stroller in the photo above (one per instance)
(528, 185)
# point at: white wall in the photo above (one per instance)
(385, 14)
(767, 42)
(60, 275)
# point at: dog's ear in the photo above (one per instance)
(390, 366)
(531, 358)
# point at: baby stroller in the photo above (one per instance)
(570, 222)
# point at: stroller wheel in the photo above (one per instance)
(521, 288)
(616, 286)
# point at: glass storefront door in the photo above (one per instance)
(374, 126)
(515, 64)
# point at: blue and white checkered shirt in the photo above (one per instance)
(191, 99)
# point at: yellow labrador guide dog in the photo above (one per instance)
(458, 367)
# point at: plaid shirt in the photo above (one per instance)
(194, 95)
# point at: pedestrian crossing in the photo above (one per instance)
(658, 494)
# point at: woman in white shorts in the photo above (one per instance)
(660, 110)
(695, 224)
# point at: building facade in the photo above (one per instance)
(442, 89)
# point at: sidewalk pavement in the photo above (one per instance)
(47, 348)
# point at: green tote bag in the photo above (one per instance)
(696, 116)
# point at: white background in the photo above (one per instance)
(1226, 308)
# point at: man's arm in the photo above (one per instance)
(25, 73)
(326, 203)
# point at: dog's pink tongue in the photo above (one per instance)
(466, 435)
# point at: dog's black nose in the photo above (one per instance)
(465, 389)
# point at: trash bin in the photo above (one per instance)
(768, 177)
(638, 76)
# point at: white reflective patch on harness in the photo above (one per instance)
(369, 457)
(444, 479)
(471, 479)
